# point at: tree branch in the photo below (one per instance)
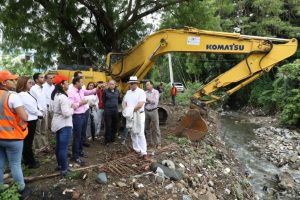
(63, 19)
(126, 23)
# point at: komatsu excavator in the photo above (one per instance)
(261, 55)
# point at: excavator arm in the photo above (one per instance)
(262, 53)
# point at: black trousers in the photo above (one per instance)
(111, 118)
(28, 155)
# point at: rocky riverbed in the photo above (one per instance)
(267, 151)
(281, 146)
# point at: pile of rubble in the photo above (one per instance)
(279, 145)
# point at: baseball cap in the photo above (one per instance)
(6, 75)
(59, 78)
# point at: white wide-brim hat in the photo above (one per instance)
(133, 79)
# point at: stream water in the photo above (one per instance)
(237, 136)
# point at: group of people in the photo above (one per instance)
(32, 108)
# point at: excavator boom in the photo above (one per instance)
(262, 53)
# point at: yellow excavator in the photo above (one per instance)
(261, 55)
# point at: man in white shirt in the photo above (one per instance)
(136, 97)
(48, 88)
(41, 137)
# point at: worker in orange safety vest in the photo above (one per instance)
(13, 129)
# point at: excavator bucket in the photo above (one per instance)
(193, 126)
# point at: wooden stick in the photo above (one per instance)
(35, 178)
(130, 156)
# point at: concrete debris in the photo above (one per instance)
(168, 163)
(169, 173)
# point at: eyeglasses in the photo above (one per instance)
(31, 82)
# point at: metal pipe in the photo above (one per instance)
(265, 38)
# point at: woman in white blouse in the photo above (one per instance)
(30, 104)
(93, 112)
(61, 121)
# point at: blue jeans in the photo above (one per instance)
(11, 151)
(62, 141)
(83, 133)
(78, 131)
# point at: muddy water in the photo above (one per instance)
(237, 136)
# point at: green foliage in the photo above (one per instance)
(71, 29)
(15, 65)
(194, 13)
(261, 17)
(11, 193)
(290, 113)
(261, 94)
(185, 98)
(74, 175)
(166, 93)
(287, 92)
(210, 155)
(178, 140)
(182, 98)
(283, 95)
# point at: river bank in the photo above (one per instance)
(267, 151)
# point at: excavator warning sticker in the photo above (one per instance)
(191, 40)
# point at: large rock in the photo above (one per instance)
(286, 181)
(169, 173)
(102, 178)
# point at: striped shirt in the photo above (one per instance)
(152, 99)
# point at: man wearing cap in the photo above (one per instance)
(135, 98)
(41, 137)
(13, 129)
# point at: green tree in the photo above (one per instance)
(286, 92)
(67, 28)
(16, 65)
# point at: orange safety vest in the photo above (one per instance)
(173, 91)
(11, 125)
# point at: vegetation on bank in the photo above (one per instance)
(282, 95)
